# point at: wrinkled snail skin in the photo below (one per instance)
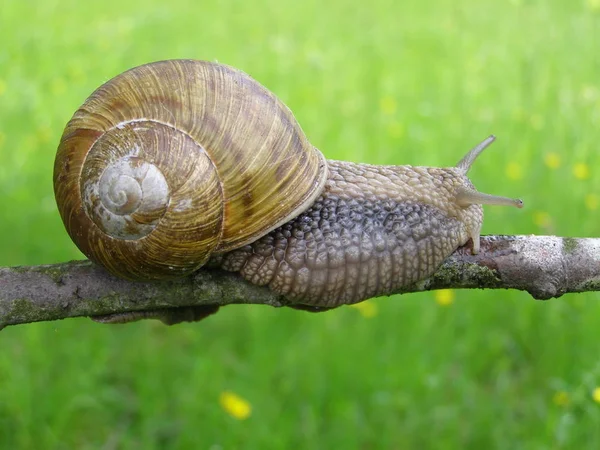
(175, 163)
(374, 230)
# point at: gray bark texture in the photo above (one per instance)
(544, 266)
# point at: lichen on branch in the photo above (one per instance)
(544, 266)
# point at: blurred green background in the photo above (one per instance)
(385, 82)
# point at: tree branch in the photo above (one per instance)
(544, 266)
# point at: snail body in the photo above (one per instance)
(177, 162)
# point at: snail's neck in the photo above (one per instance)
(431, 187)
(424, 185)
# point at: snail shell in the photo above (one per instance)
(173, 161)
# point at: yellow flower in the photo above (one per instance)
(596, 395)
(537, 122)
(234, 405)
(395, 130)
(58, 86)
(593, 5)
(444, 297)
(44, 134)
(103, 44)
(518, 114)
(561, 398)
(367, 308)
(514, 171)
(552, 160)
(388, 105)
(592, 201)
(581, 171)
(76, 73)
(542, 219)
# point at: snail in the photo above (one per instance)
(177, 163)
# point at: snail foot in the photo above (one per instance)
(168, 316)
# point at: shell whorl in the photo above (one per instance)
(128, 188)
(171, 161)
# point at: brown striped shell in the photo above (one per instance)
(173, 161)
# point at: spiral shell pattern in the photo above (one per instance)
(173, 161)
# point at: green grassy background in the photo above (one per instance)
(387, 82)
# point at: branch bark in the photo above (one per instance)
(544, 266)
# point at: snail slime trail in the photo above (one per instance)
(173, 163)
